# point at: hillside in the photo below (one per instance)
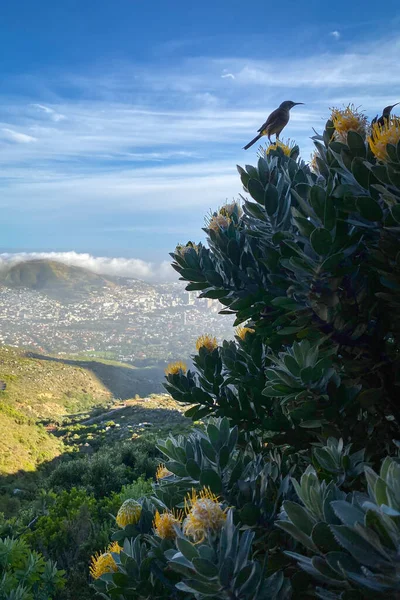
(45, 388)
(54, 278)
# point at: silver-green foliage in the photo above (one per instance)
(353, 540)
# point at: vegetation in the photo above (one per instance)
(288, 486)
(292, 489)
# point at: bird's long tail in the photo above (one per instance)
(253, 141)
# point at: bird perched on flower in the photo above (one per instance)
(276, 121)
(385, 115)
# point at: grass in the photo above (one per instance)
(54, 391)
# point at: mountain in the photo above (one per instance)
(44, 388)
(55, 278)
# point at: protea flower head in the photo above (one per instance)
(129, 513)
(176, 368)
(286, 147)
(204, 515)
(382, 135)
(242, 331)
(230, 208)
(206, 341)
(164, 524)
(162, 472)
(217, 222)
(101, 563)
(348, 119)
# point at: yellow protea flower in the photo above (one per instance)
(218, 222)
(175, 368)
(204, 515)
(286, 147)
(241, 331)
(101, 563)
(129, 513)
(228, 209)
(162, 472)
(380, 136)
(164, 524)
(206, 341)
(348, 119)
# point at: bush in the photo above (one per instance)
(25, 575)
(279, 492)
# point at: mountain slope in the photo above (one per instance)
(54, 278)
(48, 388)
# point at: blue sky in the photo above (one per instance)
(121, 122)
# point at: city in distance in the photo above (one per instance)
(49, 307)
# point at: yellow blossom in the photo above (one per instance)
(129, 513)
(348, 119)
(162, 472)
(241, 331)
(164, 523)
(204, 515)
(286, 147)
(380, 136)
(218, 222)
(206, 341)
(228, 209)
(101, 563)
(175, 368)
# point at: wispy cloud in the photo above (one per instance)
(55, 116)
(122, 267)
(16, 137)
(335, 34)
(136, 140)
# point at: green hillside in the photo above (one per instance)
(46, 388)
(54, 278)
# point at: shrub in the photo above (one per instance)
(25, 575)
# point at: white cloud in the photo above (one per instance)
(122, 267)
(55, 116)
(335, 34)
(14, 136)
(162, 141)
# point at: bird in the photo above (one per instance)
(385, 115)
(276, 121)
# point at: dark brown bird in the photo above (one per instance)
(385, 115)
(276, 121)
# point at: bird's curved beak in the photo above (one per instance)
(393, 105)
(296, 103)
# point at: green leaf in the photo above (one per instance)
(188, 550)
(271, 199)
(321, 241)
(249, 514)
(205, 567)
(214, 278)
(193, 469)
(223, 457)
(299, 517)
(368, 208)
(176, 468)
(317, 201)
(208, 449)
(256, 190)
(211, 479)
(356, 144)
